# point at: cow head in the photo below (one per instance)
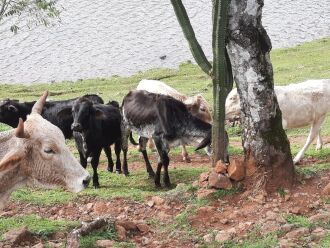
(198, 107)
(206, 143)
(233, 108)
(40, 155)
(82, 111)
(9, 112)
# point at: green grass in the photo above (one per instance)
(37, 225)
(314, 169)
(89, 241)
(299, 221)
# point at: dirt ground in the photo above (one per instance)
(239, 213)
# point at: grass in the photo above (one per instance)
(36, 224)
(313, 170)
(299, 221)
(105, 234)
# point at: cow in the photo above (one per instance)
(12, 110)
(302, 104)
(99, 126)
(197, 104)
(35, 154)
(167, 121)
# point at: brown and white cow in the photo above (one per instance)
(302, 104)
(197, 105)
(35, 154)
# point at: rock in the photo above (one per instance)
(324, 217)
(220, 167)
(195, 183)
(104, 243)
(203, 178)
(121, 232)
(224, 221)
(163, 216)
(219, 181)
(260, 198)
(205, 193)
(89, 206)
(287, 227)
(39, 245)
(144, 228)
(284, 243)
(18, 236)
(145, 241)
(287, 198)
(318, 234)
(270, 215)
(326, 190)
(100, 208)
(151, 203)
(158, 200)
(225, 235)
(236, 170)
(297, 233)
(206, 210)
(128, 225)
(208, 238)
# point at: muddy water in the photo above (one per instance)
(118, 37)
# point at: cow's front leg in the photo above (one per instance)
(107, 150)
(95, 162)
(164, 160)
(125, 132)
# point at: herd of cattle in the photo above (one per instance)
(35, 152)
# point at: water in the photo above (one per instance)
(119, 37)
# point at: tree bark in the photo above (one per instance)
(266, 147)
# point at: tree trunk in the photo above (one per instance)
(266, 147)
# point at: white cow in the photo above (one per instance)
(302, 104)
(197, 104)
(35, 154)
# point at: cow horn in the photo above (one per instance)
(37, 107)
(19, 131)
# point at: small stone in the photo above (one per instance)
(205, 193)
(297, 233)
(151, 203)
(326, 190)
(324, 217)
(208, 238)
(284, 243)
(287, 198)
(104, 243)
(128, 225)
(158, 200)
(225, 235)
(39, 245)
(145, 241)
(219, 181)
(224, 221)
(100, 208)
(121, 232)
(195, 183)
(18, 236)
(89, 206)
(220, 167)
(236, 170)
(144, 228)
(318, 234)
(287, 227)
(271, 215)
(203, 178)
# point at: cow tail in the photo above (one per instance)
(131, 139)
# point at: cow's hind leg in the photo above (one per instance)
(315, 129)
(163, 161)
(143, 149)
(118, 162)
(319, 142)
(125, 132)
(107, 150)
(185, 156)
(95, 163)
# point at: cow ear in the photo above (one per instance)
(205, 142)
(99, 114)
(12, 108)
(65, 113)
(10, 162)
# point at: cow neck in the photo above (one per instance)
(197, 128)
(10, 180)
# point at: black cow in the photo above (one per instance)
(12, 110)
(167, 121)
(100, 127)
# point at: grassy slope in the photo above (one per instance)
(310, 60)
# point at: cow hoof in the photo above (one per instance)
(126, 174)
(118, 172)
(187, 160)
(96, 186)
(158, 185)
(168, 185)
(110, 169)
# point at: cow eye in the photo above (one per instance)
(49, 151)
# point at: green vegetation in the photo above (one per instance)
(89, 240)
(299, 221)
(36, 224)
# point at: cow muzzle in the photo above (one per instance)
(76, 127)
(86, 181)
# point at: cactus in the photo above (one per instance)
(220, 72)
